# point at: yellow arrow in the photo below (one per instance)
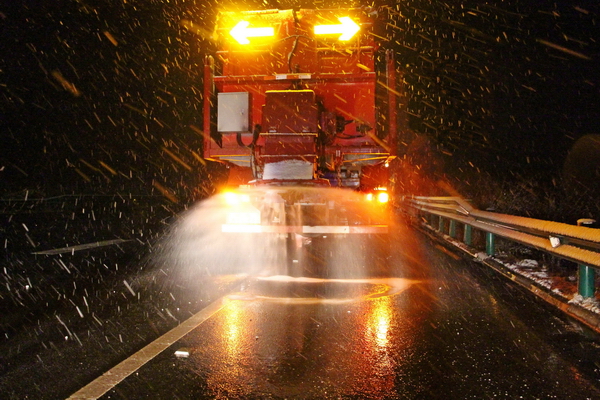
(347, 28)
(241, 32)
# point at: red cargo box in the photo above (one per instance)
(290, 145)
(290, 111)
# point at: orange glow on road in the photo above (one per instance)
(380, 321)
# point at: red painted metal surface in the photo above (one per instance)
(290, 111)
(392, 105)
(208, 95)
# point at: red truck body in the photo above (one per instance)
(297, 98)
(298, 95)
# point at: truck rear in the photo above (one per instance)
(300, 107)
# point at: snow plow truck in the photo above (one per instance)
(301, 106)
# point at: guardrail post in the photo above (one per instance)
(468, 235)
(442, 224)
(452, 231)
(490, 244)
(587, 278)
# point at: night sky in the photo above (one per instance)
(507, 83)
(103, 96)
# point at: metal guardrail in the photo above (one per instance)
(574, 243)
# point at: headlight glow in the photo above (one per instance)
(244, 218)
(234, 199)
(383, 197)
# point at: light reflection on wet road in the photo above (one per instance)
(430, 330)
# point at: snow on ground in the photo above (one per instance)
(588, 303)
(532, 270)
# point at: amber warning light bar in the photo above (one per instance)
(241, 32)
(346, 30)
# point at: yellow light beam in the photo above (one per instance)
(241, 32)
(347, 29)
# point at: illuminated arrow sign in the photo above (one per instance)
(347, 28)
(241, 32)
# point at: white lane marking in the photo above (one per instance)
(117, 374)
(72, 249)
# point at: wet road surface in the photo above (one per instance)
(417, 323)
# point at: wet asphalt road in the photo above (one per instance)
(397, 318)
(415, 323)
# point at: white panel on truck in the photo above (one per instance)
(233, 112)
